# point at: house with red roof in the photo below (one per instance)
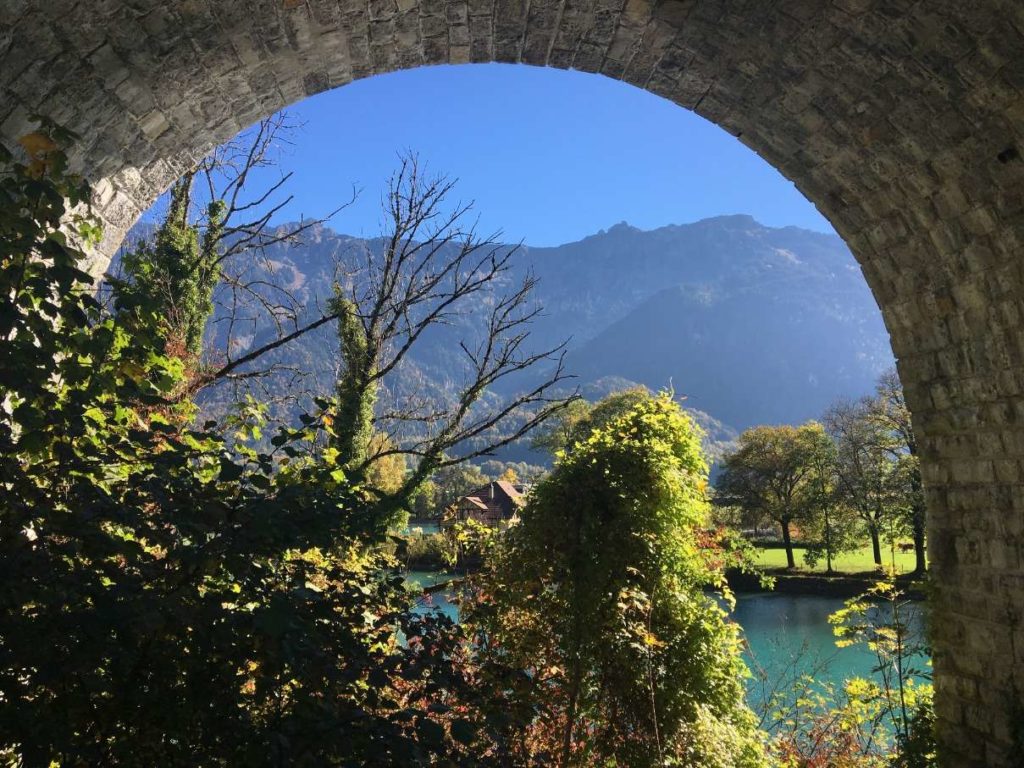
(497, 503)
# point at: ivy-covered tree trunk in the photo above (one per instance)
(174, 277)
(356, 388)
(599, 589)
(575, 683)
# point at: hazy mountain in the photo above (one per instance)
(766, 326)
(753, 324)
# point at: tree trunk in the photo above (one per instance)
(876, 545)
(570, 723)
(828, 543)
(790, 562)
(920, 564)
(355, 387)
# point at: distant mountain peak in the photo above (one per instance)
(738, 220)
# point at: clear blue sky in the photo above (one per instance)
(548, 156)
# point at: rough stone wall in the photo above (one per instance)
(902, 120)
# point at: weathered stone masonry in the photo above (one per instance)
(903, 120)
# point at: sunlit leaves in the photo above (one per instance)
(882, 721)
(169, 596)
(599, 590)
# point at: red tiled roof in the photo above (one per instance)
(498, 500)
(476, 502)
(510, 491)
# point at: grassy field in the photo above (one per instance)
(848, 562)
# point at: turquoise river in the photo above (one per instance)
(784, 634)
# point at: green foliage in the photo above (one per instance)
(175, 275)
(867, 469)
(598, 592)
(878, 722)
(888, 408)
(614, 406)
(356, 387)
(826, 726)
(579, 418)
(166, 600)
(524, 472)
(880, 621)
(831, 527)
(778, 472)
(386, 474)
(429, 551)
(916, 748)
(424, 502)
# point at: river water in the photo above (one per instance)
(786, 635)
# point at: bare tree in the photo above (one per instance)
(208, 260)
(429, 272)
(432, 272)
(248, 295)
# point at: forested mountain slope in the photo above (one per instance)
(752, 324)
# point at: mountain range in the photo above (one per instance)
(751, 324)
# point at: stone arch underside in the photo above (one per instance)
(902, 120)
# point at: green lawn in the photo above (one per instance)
(848, 562)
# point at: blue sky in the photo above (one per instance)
(548, 156)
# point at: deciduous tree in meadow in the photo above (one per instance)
(889, 408)
(831, 526)
(876, 474)
(775, 472)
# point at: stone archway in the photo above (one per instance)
(903, 121)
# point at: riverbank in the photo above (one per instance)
(841, 585)
(434, 552)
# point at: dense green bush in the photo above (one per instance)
(599, 592)
(429, 551)
(165, 600)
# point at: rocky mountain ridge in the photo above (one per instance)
(752, 324)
